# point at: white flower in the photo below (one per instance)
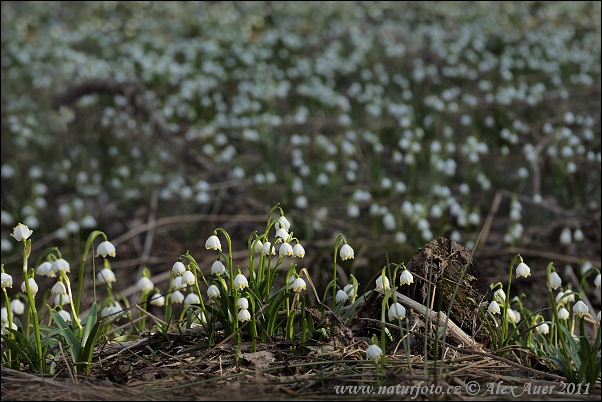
(555, 280)
(493, 308)
(106, 275)
(267, 249)
(286, 250)
(298, 251)
(21, 232)
(350, 290)
(543, 328)
(32, 285)
(65, 316)
(44, 268)
(341, 296)
(177, 297)
(565, 237)
(105, 248)
(59, 265)
(559, 298)
(7, 280)
(213, 291)
(213, 243)
(60, 300)
(499, 296)
(580, 309)
(157, 300)
(523, 270)
(511, 316)
(178, 268)
(281, 235)
(244, 315)
(597, 281)
(110, 309)
(5, 326)
(598, 317)
(257, 245)
(373, 352)
(4, 315)
(145, 284)
(570, 296)
(59, 289)
(299, 285)
(397, 312)
(406, 277)
(282, 222)
(379, 283)
(192, 298)
(188, 278)
(578, 235)
(563, 313)
(177, 284)
(242, 303)
(347, 252)
(240, 282)
(17, 306)
(218, 268)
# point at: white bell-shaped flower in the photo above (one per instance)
(213, 243)
(178, 268)
(157, 300)
(580, 309)
(33, 286)
(58, 266)
(493, 308)
(177, 297)
(17, 306)
(382, 284)
(244, 315)
(341, 296)
(192, 298)
(542, 328)
(240, 282)
(105, 248)
(6, 280)
(563, 314)
(106, 275)
(243, 303)
(373, 352)
(213, 291)
(397, 312)
(286, 250)
(298, 251)
(268, 249)
(218, 268)
(406, 277)
(555, 281)
(145, 284)
(523, 270)
(188, 278)
(346, 252)
(44, 268)
(59, 289)
(299, 285)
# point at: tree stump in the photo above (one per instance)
(446, 260)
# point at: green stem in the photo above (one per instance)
(32, 305)
(80, 284)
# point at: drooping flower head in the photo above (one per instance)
(58, 266)
(105, 248)
(243, 303)
(244, 315)
(493, 308)
(286, 250)
(299, 251)
(213, 291)
(106, 275)
(178, 268)
(397, 312)
(555, 281)
(346, 252)
(542, 328)
(580, 309)
(523, 270)
(373, 352)
(341, 296)
(213, 243)
(32, 285)
(299, 285)
(6, 280)
(218, 268)
(240, 282)
(380, 285)
(145, 284)
(406, 278)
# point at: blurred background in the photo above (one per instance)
(390, 122)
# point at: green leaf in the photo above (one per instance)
(67, 334)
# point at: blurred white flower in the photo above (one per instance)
(396, 312)
(373, 352)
